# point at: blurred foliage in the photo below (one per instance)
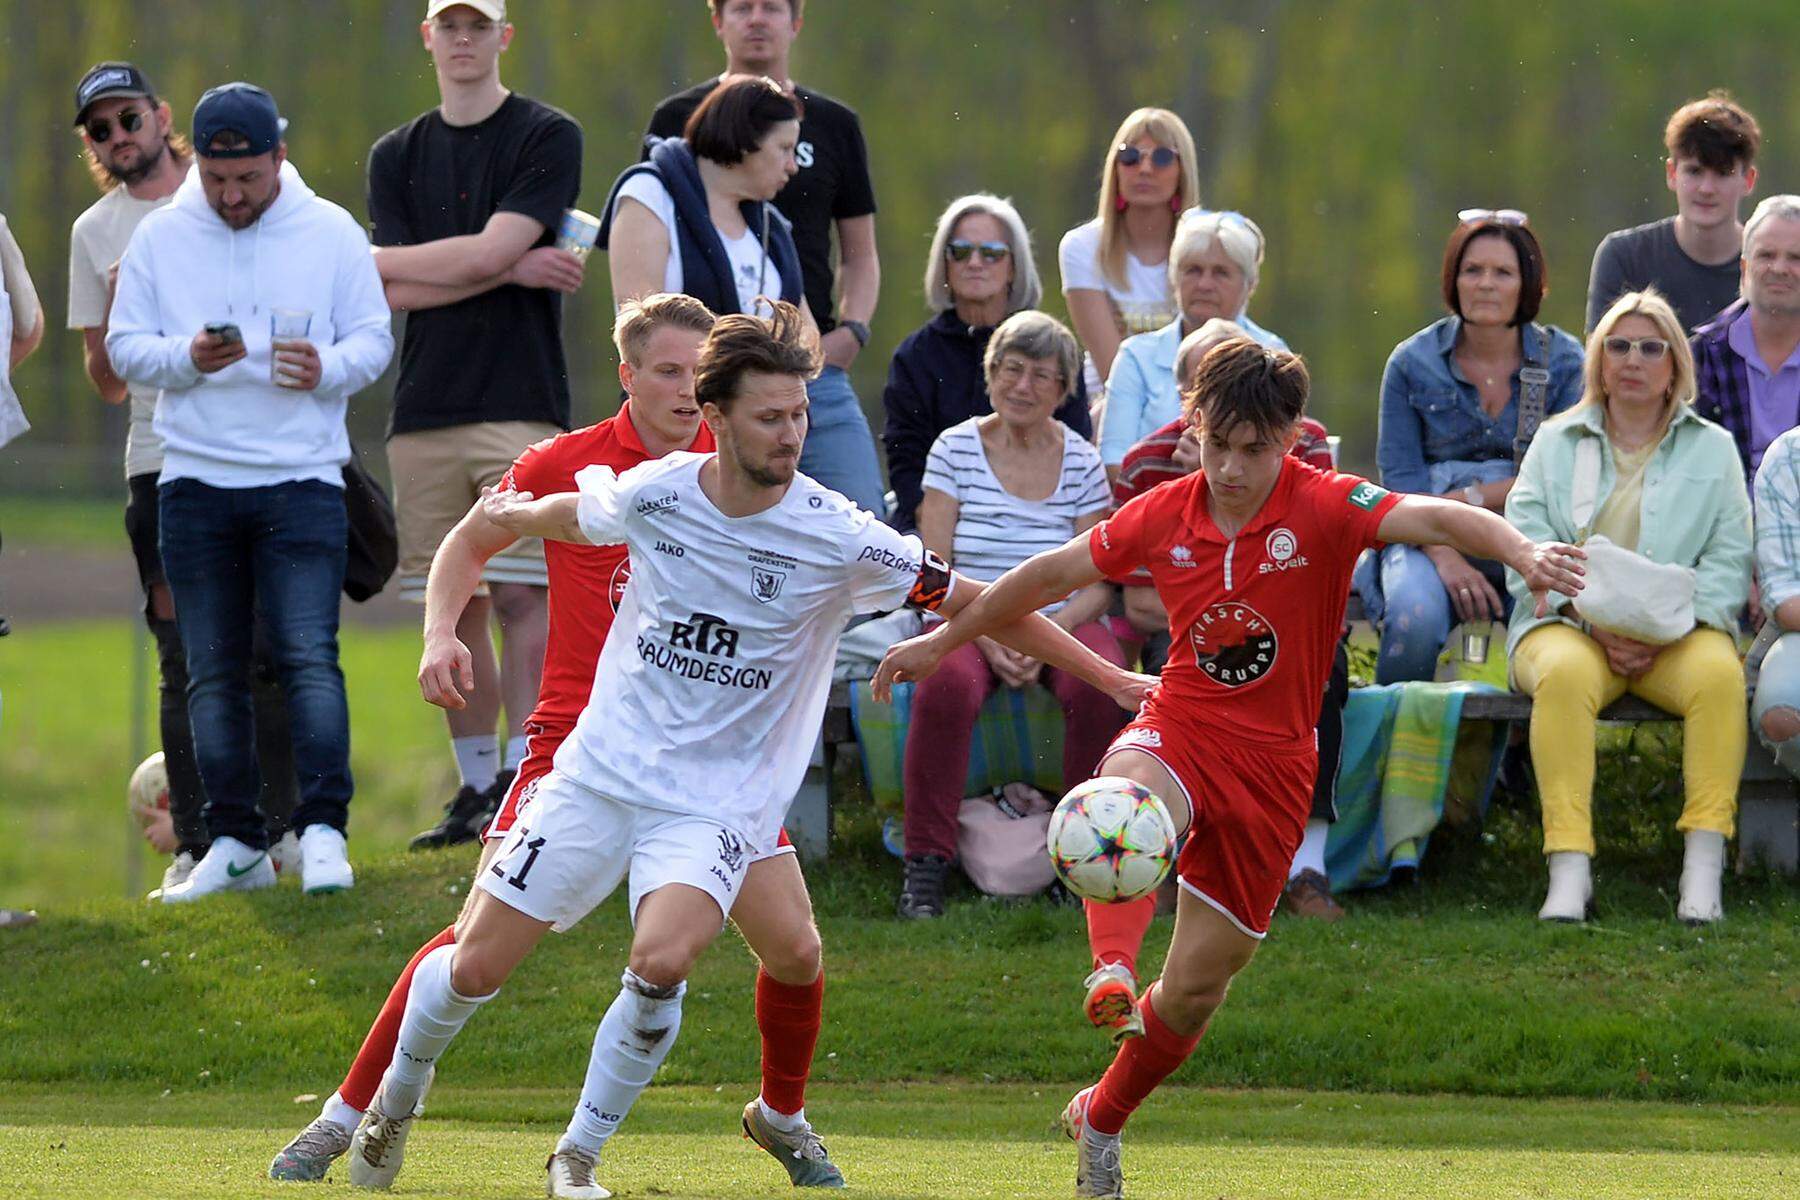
(1352, 131)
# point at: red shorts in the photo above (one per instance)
(541, 743)
(1250, 807)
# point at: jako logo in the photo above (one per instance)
(705, 634)
(1181, 558)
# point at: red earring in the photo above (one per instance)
(1175, 203)
(1120, 204)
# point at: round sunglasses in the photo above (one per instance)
(1162, 156)
(100, 128)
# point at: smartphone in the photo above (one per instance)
(226, 330)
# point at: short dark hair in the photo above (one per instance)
(794, 7)
(735, 117)
(1715, 131)
(1533, 276)
(740, 344)
(1242, 380)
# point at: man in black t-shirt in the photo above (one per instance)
(465, 202)
(1693, 257)
(831, 188)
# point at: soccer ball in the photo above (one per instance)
(149, 786)
(1111, 840)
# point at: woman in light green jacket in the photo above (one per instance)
(1671, 489)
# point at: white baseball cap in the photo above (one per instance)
(493, 10)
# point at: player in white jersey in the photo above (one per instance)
(705, 708)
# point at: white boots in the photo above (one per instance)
(1572, 885)
(1700, 871)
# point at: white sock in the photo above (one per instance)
(341, 1112)
(435, 1012)
(516, 749)
(633, 1039)
(1311, 855)
(785, 1122)
(477, 760)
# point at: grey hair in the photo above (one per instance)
(1214, 331)
(1241, 238)
(1026, 290)
(1786, 207)
(1036, 336)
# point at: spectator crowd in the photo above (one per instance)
(235, 311)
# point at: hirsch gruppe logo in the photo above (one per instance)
(1233, 644)
(615, 590)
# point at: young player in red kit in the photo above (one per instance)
(1252, 557)
(659, 342)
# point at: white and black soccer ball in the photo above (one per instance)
(1111, 840)
(149, 786)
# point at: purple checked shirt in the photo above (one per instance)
(1774, 395)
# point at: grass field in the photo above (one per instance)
(1440, 1042)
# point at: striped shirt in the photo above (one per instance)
(1778, 521)
(996, 530)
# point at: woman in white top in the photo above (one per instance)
(21, 329)
(998, 489)
(1115, 268)
(696, 216)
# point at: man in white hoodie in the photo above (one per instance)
(251, 492)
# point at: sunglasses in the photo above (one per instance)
(100, 128)
(1500, 216)
(1162, 156)
(1650, 349)
(962, 249)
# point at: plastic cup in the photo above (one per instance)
(578, 232)
(1332, 443)
(286, 325)
(1475, 642)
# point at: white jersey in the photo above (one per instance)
(713, 681)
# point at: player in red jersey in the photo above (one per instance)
(659, 340)
(1252, 557)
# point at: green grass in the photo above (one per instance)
(86, 523)
(938, 1140)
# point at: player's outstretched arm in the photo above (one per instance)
(446, 670)
(1429, 521)
(555, 518)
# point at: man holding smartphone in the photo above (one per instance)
(250, 495)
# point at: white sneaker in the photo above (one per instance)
(570, 1175)
(324, 862)
(1701, 867)
(175, 874)
(229, 866)
(378, 1147)
(285, 853)
(1571, 887)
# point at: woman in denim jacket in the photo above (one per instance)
(1449, 413)
(1669, 488)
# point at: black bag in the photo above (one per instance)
(374, 548)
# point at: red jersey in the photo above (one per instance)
(1253, 619)
(585, 581)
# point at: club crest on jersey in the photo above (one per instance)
(1233, 644)
(731, 851)
(615, 590)
(765, 584)
(1181, 558)
(1283, 549)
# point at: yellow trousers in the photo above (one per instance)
(1698, 678)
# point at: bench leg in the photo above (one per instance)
(809, 816)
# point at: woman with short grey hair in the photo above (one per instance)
(1214, 264)
(979, 272)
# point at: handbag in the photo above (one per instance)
(373, 549)
(1626, 593)
(1000, 840)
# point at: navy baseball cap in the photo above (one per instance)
(108, 81)
(241, 108)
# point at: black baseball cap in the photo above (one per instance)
(107, 81)
(241, 108)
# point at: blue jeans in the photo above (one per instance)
(840, 450)
(233, 556)
(1404, 597)
(1778, 686)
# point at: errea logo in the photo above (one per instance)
(1181, 558)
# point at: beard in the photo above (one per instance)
(255, 213)
(774, 473)
(148, 161)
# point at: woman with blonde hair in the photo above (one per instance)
(1633, 463)
(1115, 274)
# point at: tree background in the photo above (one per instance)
(1351, 130)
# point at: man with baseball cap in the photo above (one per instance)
(137, 160)
(250, 495)
(465, 202)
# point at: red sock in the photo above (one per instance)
(1141, 1064)
(358, 1088)
(788, 1015)
(1116, 931)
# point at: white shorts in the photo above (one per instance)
(571, 846)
